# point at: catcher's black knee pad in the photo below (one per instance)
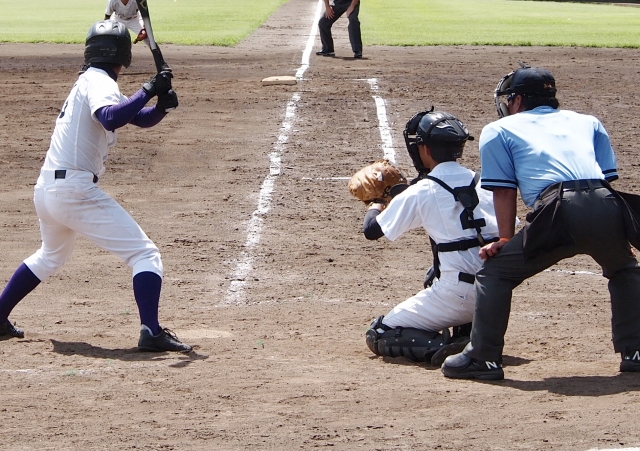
(414, 344)
(375, 329)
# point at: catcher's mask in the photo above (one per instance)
(442, 132)
(108, 41)
(526, 81)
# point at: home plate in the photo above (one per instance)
(279, 80)
(199, 334)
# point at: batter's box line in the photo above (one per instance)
(572, 273)
(331, 179)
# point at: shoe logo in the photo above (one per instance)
(491, 365)
(636, 356)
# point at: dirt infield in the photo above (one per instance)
(280, 360)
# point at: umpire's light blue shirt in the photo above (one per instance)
(537, 148)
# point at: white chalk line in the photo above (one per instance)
(383, 124)
(571, 273)
(310, 42)
(327, 178)
(244, 266)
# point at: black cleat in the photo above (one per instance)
(630, 362)
(459, 366)
(357, 55)
(166, 340)
(9, 330)
(323, 53)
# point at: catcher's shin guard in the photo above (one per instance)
(414, 344)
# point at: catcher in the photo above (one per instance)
(447, 201)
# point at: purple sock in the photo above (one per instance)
(21, 284)
(146, 290)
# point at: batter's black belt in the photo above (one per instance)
(62, 173)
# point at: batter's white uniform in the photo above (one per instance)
(448, 302)
(126, 14)
(75, 204)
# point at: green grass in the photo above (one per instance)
(384, 22)
(188, 22)
(499, 22)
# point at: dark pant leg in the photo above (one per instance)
(595, 221)
(599, 228)
(625, 310)
(355, 38)
(494, 285)
(324, 25)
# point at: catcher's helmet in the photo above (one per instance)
(108, 41)
(442, 132)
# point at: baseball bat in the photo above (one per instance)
(161, 65)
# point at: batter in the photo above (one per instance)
(67, 197)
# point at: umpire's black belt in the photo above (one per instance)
(577, 185)
(62, 173)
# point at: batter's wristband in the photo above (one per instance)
(504, 240)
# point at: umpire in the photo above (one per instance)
(561, 162)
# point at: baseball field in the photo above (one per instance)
(267, 274)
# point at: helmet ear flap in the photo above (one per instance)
(503, 109)
(504, 88)
(412, 139)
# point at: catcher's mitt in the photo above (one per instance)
(141, 36)
(374, 182)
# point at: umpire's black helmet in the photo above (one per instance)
(108, 41)
(442, 132)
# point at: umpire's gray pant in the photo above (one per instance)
(324, 25)
(595, 221)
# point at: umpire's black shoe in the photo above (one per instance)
(630, 362)
(164, 341)
(460, 366)
(439, 357)
(357, 55)
(9, 330)
(323, 53)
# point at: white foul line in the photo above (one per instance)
(244, 265)
(310, 42)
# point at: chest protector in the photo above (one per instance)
(468, 197)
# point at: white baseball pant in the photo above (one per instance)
(76, 205)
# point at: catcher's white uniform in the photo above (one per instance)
(449, 301)
(127, 14)
(67, 198)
